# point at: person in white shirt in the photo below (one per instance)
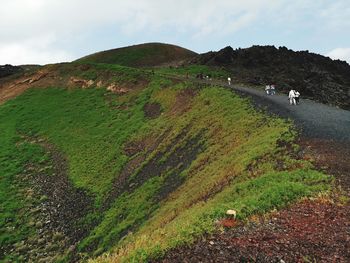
(229, 80)
(291, 97)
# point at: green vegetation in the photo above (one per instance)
(15, 200)
(151, 54)
(236, 137)
(207, 150)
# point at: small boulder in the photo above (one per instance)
(231, 213)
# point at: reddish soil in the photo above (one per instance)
(311, 231)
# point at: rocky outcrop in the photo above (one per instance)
(83, 83)
(34, 78)
(315, 76)
(7, 70)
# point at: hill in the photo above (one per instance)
(143, 55)
(105, 158)
(315, 76)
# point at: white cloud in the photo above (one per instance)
(340, 53)
(25, 23)
(36, 50)
(24, 20)
(336, 15)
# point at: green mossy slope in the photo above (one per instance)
(161, 163)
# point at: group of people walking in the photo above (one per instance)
(270, 90)
(293, 94)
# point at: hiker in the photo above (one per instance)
(267, 89)
(291, 97)
(229, 81)
(272, 90)
(297, 94)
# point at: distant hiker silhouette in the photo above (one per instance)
(267, 89)
(272, 90)
(229, 80)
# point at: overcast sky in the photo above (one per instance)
(49, 31)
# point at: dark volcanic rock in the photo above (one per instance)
(315, 76)
(7, 70)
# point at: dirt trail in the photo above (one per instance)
(315, 120)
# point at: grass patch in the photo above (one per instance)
(15, 200)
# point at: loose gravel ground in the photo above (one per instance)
(315, 120)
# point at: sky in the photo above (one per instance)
(51, 31)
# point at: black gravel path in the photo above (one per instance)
(315, 120)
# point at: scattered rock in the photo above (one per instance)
(117, 89)
(99, 84)
(231, 213)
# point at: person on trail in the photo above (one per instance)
(267, 89)
(272, 90)
(291, 97)
(229, 81)
(297, 94)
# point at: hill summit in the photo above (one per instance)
(143, 55)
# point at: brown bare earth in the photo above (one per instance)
(152, 110)
(12, 88)
(183, 101)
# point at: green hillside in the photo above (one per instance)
(143, 55)
(135, 163)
